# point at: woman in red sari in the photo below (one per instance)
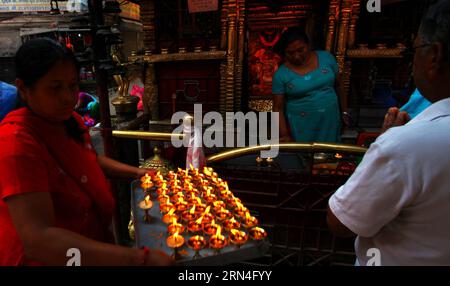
(53, 192)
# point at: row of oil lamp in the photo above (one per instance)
(194, 201)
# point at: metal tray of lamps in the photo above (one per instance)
(221, 237)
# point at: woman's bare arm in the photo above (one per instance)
(34, 220)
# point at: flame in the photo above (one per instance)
(186, 172)
(147, 179)
(213, 222)
(232, 220)
(199, 220)
(207, 210)
(174, 220)
(171, 212)
(192, 211)
(191, 166)
(338, 156)
(199, 201)
(247, 216)
(175, 236)
(234, 231)
(218, 231)
(164, 186)
(147, 199)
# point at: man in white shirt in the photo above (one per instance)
(398, 200)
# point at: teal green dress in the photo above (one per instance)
(312, 107)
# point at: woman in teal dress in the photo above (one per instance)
(304, 91)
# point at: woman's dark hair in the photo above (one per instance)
(290, 35)
(34, 59)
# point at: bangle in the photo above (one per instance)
(146, 252)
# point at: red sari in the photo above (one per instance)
(38, 156)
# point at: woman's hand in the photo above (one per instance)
(140, 172)
(157, 257)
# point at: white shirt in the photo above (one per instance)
(398, 199)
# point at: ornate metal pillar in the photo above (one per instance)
(333, 18)
(343, 33)
(354, 18)
(240, 54)
(231, 56)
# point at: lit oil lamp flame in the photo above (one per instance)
(231, 224)
(166, 207)
(146, 181)
(175, 227)
(223, 214)
(250, 221)
(167, 218)
(211, 228)
(191, 166)
(258, 233)
(218, 205)
(192, 210)
(195, 225)
(175, 240)
(197, 243)
(218, 241)
(238, 237)
(147, 200)
(338, 156)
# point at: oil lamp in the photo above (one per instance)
(241, 210)
(217, 241)
(231, 224)
(177, 197)
(166, 206)
(193, 199)
(210, 228)
(197, 243)
(175, 227)
(175, 241)
(146, 183)
(189, 215)
(195, 225)
(146, 205)
(167, 218)
(238, 237)
(162, 189)
(181, 205)
(207, 216)
(171, 175)
(218, 205)
(233, 201)
(257, 233)
(163, 198)
(250, 221)
(200, 208)
(223, 214)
